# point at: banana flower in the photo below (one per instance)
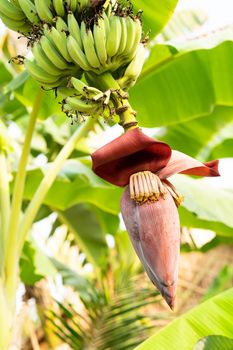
(149, 202)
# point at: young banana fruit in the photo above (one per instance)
(134, 68)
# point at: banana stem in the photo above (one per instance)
(49, 178)
(6, 319)
(4, 207)
(105, 82)
(11, 258)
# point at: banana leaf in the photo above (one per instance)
(215, 316)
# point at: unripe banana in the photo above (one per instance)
(59, 40)
(106, 23)
(123, 42)
(52, 53)
(43, 61)
(17, 26)
(131, 33)
(59, 7)
(72, 5)
(89, 48)
(82, 4)
(100, 41)
(74, 29)
(40, 75)
(81, 106)
(61, 25)
(77, 54)
(114, 36)
(65, 92)
(78, 85)
(85, 90)
(137, 38)
(134, 69)
(30, 11)
(12, 11)
(43, 8)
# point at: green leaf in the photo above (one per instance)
(16, 82)
(190, 219)
(50, 104)
(83, 222)
(205, 201)
(199, 134)
(155, 14)
(223, 150)
(222, 281)
(211, 317)
(174, 90)
(5, 75)
(75, 184)
(34, 264)
(214, 342)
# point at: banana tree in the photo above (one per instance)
(90, 54)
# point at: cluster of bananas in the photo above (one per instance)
(22, 15)
(69, 45)
(82, 100)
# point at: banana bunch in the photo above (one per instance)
(68, 42)
(111, 43)
(67, 48)
(84, 100)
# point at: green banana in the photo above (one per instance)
(74, 29)
(83, 30)
(77, 54)
(89, 49)
(100, 41)
(61, 25)
(131, 32)
(52, 53)
(137, 38)
(134, 68)
(84, 89)
(106, 23)
(66, 92)
(78, 85)
(17, 26)
(12, 11)
(59, 41)
(43, 61)
(81, 105)
(30, 11)
(59, 7)
(114, 36)
(72, 5)
(39, 74)
(43, 8)
(123, 42)
(82, 4)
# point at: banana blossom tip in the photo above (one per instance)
(149, 202)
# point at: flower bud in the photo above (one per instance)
(154, 230)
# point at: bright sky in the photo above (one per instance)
(220, 12)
